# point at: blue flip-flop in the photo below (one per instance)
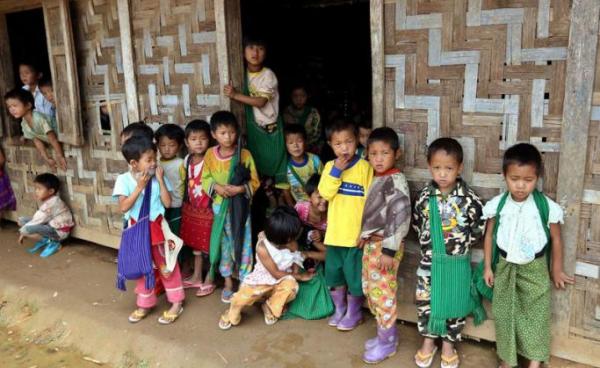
(39, 245)
(52, 247)
(226, 296)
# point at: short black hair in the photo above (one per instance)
(137, 129)
(289, 129)
(365, 124)
(197, 125)
(299, 86)
(385, 135)
(254, 40)
(171, 131)
(22, 95)
(134, 148)
(312, 184)
(523, 154)
(283, 226)
(49, 181)
(448, 145)
(45, 82)
(340, 125)
(223, 118)
(34, 68)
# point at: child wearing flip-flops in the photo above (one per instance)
(52, 222)
(276, 274)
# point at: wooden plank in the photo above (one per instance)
(133, 112)
(10, 6)
(6, 78)
(581, 60)
(377, 63)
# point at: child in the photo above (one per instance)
(461, 227)
(385, 223)
(197, 214)
(364, 130)
(264, 126)
(8, 201)
(52, 222)
(139, 128)
(220, 162)
(36, 126)
(169, 138)
(277, 270)
(30, 77)
(301, 164)
(45, 87)
(308, 117)
(524, 228)
(140, 154)
(313, 214)
(344, 185)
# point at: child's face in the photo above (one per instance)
(197, 142)
(48, 93)
(225, 135)
(318, 202)
(168, 148)
(382, 157)
(299, 98)
(363, 136)
(17, 108)
(444, 169)
(521, 180)
(255, 54)
(343, 143)
(146, 163)
(28, 76)
(41, 192)
(295, 145)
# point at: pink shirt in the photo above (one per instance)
(303, 209)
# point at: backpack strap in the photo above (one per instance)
(186, 181)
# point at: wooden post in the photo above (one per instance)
(133, 113)
(581, 61)
(377, 62)
(6, 75)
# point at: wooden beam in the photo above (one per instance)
(7, 78)
(133, 112)
(581, 61)
(377, 63)
(11, 6)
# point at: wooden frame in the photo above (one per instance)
(377, 63)
(129, 73)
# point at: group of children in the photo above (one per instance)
(348, 218)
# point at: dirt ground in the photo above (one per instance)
(70, 301)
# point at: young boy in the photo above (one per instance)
(301, 164)
(217, 178)
(385, 223)
(30, 77)
(169, 138)
(52, 222)
(516, 259)
(461, 226)
(140, 154)
(263, 124)
(298, 112)
(139, 128)
(45, 86)
(364, 130)
(344, 185)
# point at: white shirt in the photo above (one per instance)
(521, 234)
(172, 169)
(41, 104)
(264, 84)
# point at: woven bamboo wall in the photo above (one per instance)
(489, 73)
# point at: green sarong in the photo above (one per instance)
(521, 308)
(313, 300)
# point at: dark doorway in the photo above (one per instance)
(27, 36)
(324, 45)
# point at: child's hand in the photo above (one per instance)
(229, 90)
(488, 277)
(221, 190)
(52, 163)
(159, 173)
(316, 236)
(360, 243)
(560, 279)
(341, 163)
(306, 276)
(233, 190)
(386, 262)
(143, 180)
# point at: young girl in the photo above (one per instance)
(30, 78)
(230, 249)
(300, 113)
(35, 126)
(197, 212)
(313, 214)
(277, 270)
(8, 201)
(140, 154)
(523, 229)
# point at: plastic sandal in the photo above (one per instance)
(451, 361)
(189, 285)
(168, 318)
(226, 296)
(52, 247)
(138, 315)
(205, 289)
(270, 319)
(425, 360)
(224, 324)
(39, 245)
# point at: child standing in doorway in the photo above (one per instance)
(30, 77)
(298, 112)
